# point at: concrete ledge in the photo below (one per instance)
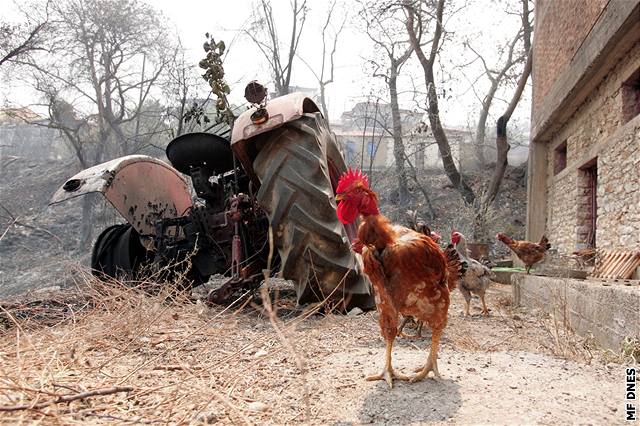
(502, 277)
(610, 313)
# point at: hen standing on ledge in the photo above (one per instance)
(410, 273)
(530, 253)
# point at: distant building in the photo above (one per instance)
(584, 165)
(365, 132)
(24, 133)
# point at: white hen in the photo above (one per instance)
(476, 278)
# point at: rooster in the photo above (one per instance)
(477, 276)
(410, 273)
(530, 253)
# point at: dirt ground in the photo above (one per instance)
(189, 364)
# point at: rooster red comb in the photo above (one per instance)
(352, 178)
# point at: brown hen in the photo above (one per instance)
(530, 253)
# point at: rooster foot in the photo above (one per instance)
(410, 336)
(485, 312)
(388, 375)
(424, 372)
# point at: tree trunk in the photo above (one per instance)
(502, 143)
(425, 193)
(482, 122)
(323, 101)
(443, 143)
(398, 145)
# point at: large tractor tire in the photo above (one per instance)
(118, 252)
(299, 165)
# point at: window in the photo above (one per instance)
(631, 97)
(588, 203)
(351, 152)
(560, 158)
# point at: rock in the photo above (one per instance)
(208, 418)
(48, 289)
(355, 311)
(260, 353)
(257, 406)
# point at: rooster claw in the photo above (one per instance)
(424, 372)
(388, 376)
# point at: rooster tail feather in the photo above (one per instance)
(544, 242)
(455, 266)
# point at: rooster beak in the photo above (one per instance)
(339, 197)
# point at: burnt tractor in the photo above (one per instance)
(279, 171)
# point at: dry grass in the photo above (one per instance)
(106, 352)
(628, 354)
(562, 340)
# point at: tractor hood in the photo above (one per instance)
(281, 110)
(143, 189)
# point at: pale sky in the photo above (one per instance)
(482, 20)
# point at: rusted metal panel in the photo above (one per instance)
(281, 110)
(143, 189)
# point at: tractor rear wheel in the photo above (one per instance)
(118, 252)
(298, 167)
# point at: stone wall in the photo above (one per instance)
(560, 28)
(619, 193)
(597, 131)
(609, 313)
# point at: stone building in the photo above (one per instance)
(584, 160)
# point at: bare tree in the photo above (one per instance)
(107, 56)
(183, 87)
(502, 73)
(98, 76)
(263, 31)
(329, 48)
(502, 143)
(428, 16)
(18, 40)
(497, 75)
(384, 26)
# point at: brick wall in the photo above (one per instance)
(597, 130)
(560, 28)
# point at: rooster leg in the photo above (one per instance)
(485, 310)
(419, 333)
(388, 374)
(467, 300)
(432, 359)
(528, 268)
(405, 320)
